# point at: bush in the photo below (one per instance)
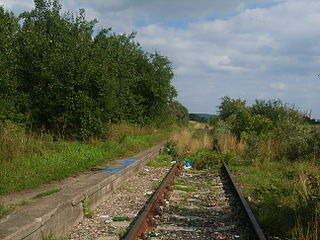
(206, 159)
(272, 130)
(170, 148)
(57, 75)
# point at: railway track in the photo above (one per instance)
(196, 205)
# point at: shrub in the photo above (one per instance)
(163, 160)
(206, 159)
(57, 75)
(170, 148)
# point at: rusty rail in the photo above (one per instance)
(139, 227)
(245, 206)
(144, 219)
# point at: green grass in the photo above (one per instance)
(6, 210)
(163, 160)
(142, 174)
(68, 158)
(46, 193)
(185, 189)
(277, 194)
(183, 181)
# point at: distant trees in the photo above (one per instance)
(200, 117)
(179, 112)
(55, 74)
(269, 123)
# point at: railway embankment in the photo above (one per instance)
(56, 213)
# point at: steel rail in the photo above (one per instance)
(143, 220)
(245, 206)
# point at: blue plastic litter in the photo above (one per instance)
(111, 170)
(187, 163)
(128, 161)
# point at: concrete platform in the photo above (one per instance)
(57, 213)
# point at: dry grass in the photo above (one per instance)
(198, 125)
(229, 143)
(192, 140)
(15, 141)
(312, 232)
(308, 187)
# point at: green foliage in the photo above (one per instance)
(206, 159)
(213, 120)
(87, 212)
(278, 165)
(55, 75)
(170, 148)
(10, 98)
(163, 160)
(276, 111)
(229, 107)
(180, 113)
(42, 160)
(281, 194)
(199, 117)
(185, 189)
(280, 125)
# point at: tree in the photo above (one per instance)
(72, 83)
(180, 113)
(9, 98)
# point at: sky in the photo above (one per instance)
(262, 49)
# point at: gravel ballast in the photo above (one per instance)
(111, 219)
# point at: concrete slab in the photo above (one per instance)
(57, 213)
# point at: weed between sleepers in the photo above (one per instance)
(185, 188)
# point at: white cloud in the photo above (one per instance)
(256, 53)
(278, 86)
(248, 49)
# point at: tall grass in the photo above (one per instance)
(310, 232)
(229, 143)
(190, 140)
(15, 142)
(29, 160)
(282, 196)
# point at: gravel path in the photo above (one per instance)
(124, 203)
(201, 207)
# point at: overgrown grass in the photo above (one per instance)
(190, 140)
(163, 160)
(284, 192)
(278, 193)
(16, 142)
(28, 161)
